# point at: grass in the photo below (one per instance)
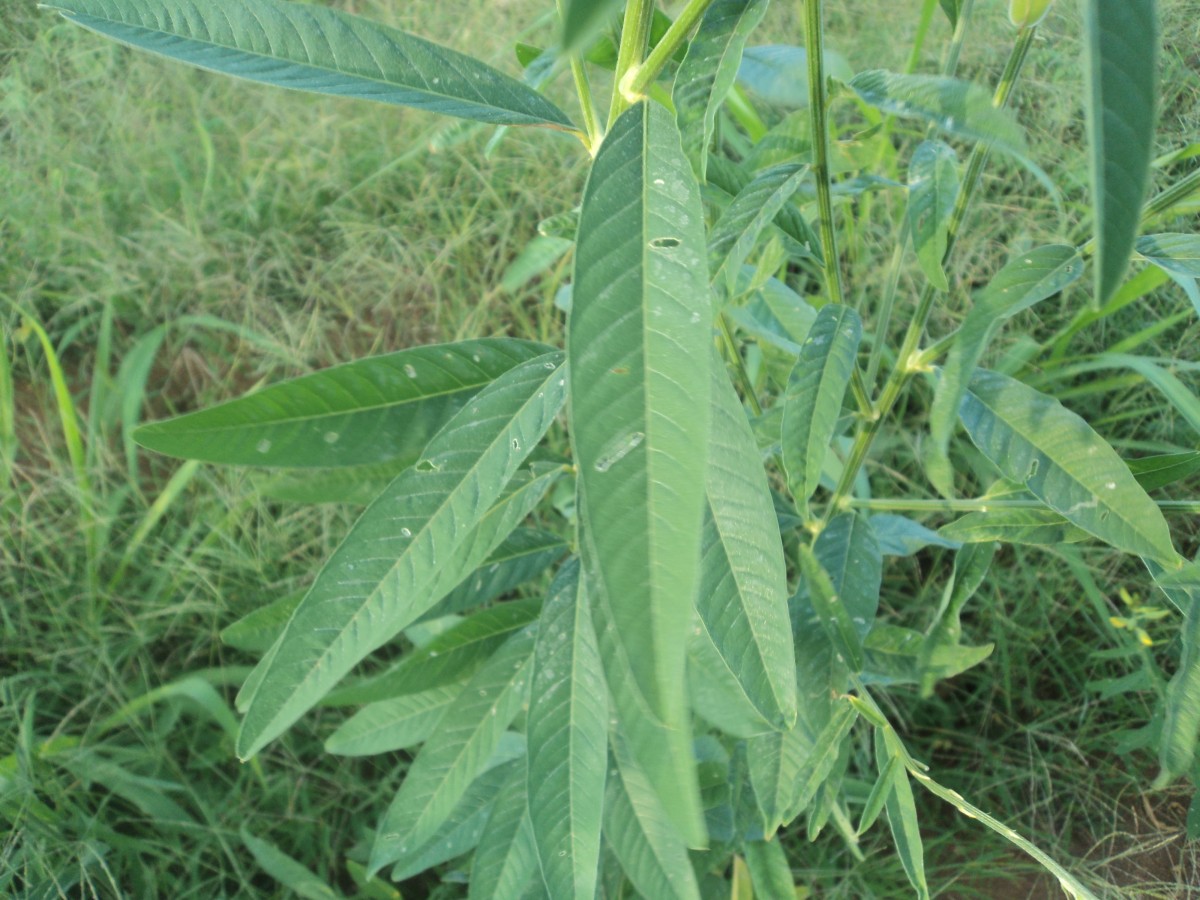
(182, 238)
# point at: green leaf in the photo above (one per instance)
(402, 555)
(356, 485)
(1121, 72)
(952, 9)
(641, 835)
(524, 555)
(505, 862)
(1175, 253)
(1013, 526)
(313, 48)
(1022, 282)
(776, 763)
(639, 345)
(742, 601)
(932, 192)
(770, 871)
(882, 789)
(463, 828)
(826, 751)
(957, 107)
(538, 256)
(394, 724)
(901, 536)
(813, 400)
(567, 729)
(456, 753)
(451, 656)
(287, 871)
(583, 18)
(754, 208)
(902, 816)
(732, 180)
(835, 618)
(778, 73)
(848, 551)
(1154, 472)
(709, 70)
(256, 632)
(370, 411)
(1181, 724)
(1032, 439)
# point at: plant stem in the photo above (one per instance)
(635, 36)
(739, 366)
(642, 76)
(584, 91)
(907, 362)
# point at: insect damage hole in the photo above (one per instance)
(664, 243)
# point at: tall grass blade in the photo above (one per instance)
(1121, 73)
(314, 48)
(293, 875)
(403, 554)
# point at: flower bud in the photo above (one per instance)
(1024, 13)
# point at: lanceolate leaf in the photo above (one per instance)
(814, 395)
(1013, 526)
(639, 346)
(754, 208)
(567, 729)
(1181, 726)
(456, 753)
(708, 72)
(742, 602)
(1022, 282)
(902, 815)
(643, 837)
(958, 107)
(1153, 472)
(1034, 440)
(392, 724)
(369, 411)
(849, 552)
(313, 48)
(1175, 253)
(1121, 52)
(932, 191)
(505, 862)
(400, 556)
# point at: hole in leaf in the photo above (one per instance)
(664, 243)
(426, 465)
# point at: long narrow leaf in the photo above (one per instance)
(1037, 442)
(932, 191)
(505, 862)
(399, 558)
(638, 341)
(369, 411)
(754, 208)
(1181, 725)
(567, 729)
(1121, 52)
(314, 48)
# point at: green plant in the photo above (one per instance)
(708, 659)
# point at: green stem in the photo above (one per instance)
(643, 76)
(584, 91)
(739, 366)
(907, 360)
(635, 37)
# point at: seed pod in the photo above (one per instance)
(1024, 13)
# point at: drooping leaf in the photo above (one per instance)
(394, 724)
(314, 48)
(369, 411)
(1013, 526)
(742, 601)
(849, 552)
(932, 191)
(733, 236)
(902, 815)
(642, 836)
(456, 753)
(971, 565)
(708, 72)
(505, 862)
(638, 341)
(1121, 74)
(451, 656)
(1181, 725)
(778, 73)
(1034, 440)
(1154, 472)
(827, 749)
(463, 828)
(957, 107)
(1022, 282)
(901, 536)
(567, 729)
(403, 554)
(814, 395)
(1176, 253)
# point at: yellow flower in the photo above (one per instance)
(1024, 13)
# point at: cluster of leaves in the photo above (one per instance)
(692, 679)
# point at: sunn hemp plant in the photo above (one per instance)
(706, 665)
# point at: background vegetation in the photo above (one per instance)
(183, 237)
